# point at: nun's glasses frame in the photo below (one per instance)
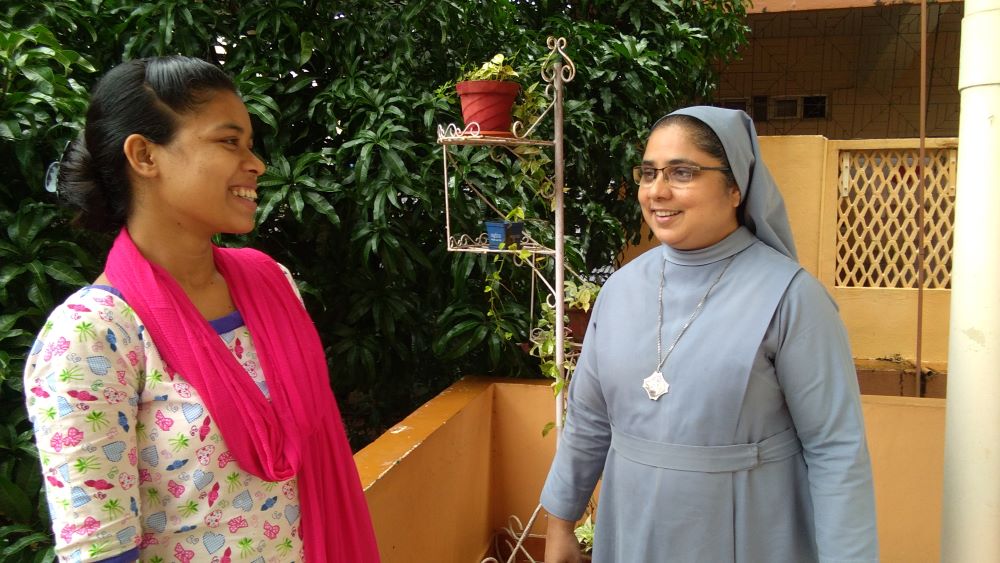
(678, 176)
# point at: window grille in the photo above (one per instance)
(785, 107)
(877, 218)
(814, 107)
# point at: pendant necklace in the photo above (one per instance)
(655, 385)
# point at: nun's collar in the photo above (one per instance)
(738, 241)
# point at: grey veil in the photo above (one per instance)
(764, 210)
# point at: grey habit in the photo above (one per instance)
(757, 453)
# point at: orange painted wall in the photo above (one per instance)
(521, 409)
(906, 442)
(428, 479)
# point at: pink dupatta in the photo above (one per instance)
(299, 432)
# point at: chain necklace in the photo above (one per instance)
(655, 385)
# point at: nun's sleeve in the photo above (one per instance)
(816, 370)
(585, 439)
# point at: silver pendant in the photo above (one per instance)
(655, 385)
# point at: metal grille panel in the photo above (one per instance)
(877, 218)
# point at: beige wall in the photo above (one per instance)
(442, 480)
(865, 60)
(906, 442)
(797, 164)
(881, 323)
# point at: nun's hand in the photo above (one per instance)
(561, 545)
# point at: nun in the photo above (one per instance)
(715, 396)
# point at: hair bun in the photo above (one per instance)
(78, 186)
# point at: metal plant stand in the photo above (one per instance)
(557, 69)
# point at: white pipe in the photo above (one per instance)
(970, 531)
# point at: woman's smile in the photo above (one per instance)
(662, 215)
(246, 197)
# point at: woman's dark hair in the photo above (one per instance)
(702, 136)
(143, 97)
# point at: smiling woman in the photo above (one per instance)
(181, 403)
(715, 391)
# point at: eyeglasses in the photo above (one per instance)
(678, 175)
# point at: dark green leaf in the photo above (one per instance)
(317, 202)
(14, 503)
(64, 273)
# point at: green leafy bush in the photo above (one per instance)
(343, 95)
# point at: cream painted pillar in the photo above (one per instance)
(971, 504)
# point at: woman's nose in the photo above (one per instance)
(660, 188)
(255, 164)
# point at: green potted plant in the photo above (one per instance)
(578, 296)
(487, 94)
(585, 535)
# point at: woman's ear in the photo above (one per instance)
(734, 196)
(139, 152)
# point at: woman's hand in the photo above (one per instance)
(561, 545)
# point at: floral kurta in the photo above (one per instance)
(132, 460)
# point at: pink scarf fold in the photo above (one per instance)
(299, 432)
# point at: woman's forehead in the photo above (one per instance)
(672, 142)
(220, 108)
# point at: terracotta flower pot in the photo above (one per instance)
(489, 103)
(578, 321)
